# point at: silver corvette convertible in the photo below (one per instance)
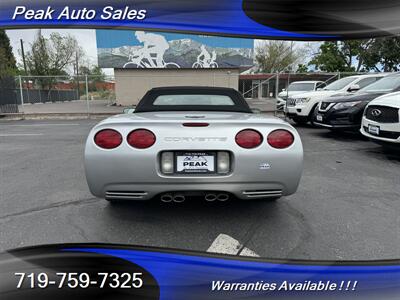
(193, 141)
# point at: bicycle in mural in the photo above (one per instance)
(205, 60)
(139, 59)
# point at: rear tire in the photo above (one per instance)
(312, 114)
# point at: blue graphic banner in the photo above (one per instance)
(275, 19)
(128, 272)
(224, 17)
(203, 277)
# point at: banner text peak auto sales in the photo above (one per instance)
(66, 13)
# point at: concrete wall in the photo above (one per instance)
(132, 84)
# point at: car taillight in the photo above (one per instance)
(108, 139)
(280, 139)
(248, 138)
(141, 138)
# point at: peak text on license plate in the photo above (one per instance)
(195, 162)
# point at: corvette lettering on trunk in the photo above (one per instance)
(195, 139)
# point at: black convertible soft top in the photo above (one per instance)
(146, 104)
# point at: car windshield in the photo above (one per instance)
(197, 99)
(339, 84)
(386, 84)
(297, 87)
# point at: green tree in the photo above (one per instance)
(301, 68)
(342, 56)
(276, 56)
(7, 59)
(330, 58)
(384, 54)
(51, 56)
(379, 54)
(95, 74)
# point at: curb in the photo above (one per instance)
(54, 116)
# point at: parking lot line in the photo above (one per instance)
(225, 244)
(20, 134)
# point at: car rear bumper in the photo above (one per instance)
(147, 191)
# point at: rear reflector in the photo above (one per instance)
(195, 124)
(108, 139)
(141, 138)
(248, 138)
(280, 139)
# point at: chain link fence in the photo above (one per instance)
(66, 94)
(268, 91)
(111, 94)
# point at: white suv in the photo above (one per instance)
(301, 107)
(296, 88)
(381, 120)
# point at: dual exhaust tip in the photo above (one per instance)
(179, 198)
(216, 197)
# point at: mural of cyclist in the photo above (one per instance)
(154, 47)
(205, 60)
(204, 56)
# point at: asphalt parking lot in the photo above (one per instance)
(347, 206)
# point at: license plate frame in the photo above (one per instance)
(373, 129)
(178, 170)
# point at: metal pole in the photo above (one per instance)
(87, 96)
(277, 86)
(21, 93)
(23, 55)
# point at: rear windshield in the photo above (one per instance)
(298, 87)
(193, 100)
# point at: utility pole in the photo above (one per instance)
(23, 55)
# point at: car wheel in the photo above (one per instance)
(312, 114)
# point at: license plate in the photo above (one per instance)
(372, 129)
(320, 118)
(195, 162)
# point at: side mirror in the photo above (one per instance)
(129, 110)
(354, 87)
(283, 90)
(319, 89)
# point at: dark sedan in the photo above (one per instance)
(346, 112)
